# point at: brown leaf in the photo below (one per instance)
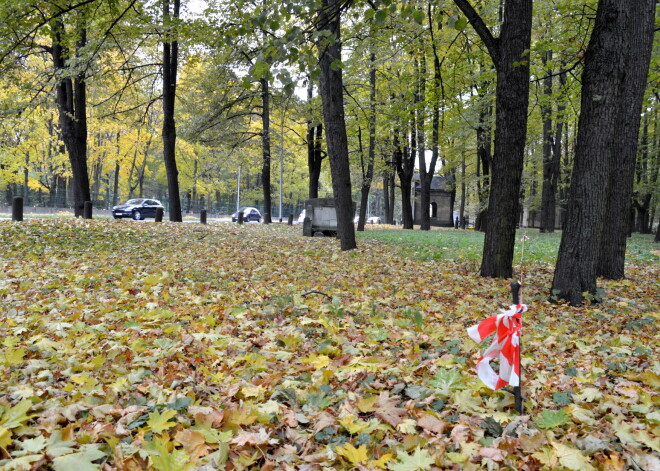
(387, 410)
(460, 434)
(494, 454)
(206, 415)
(193, 442)
(432, 424)
(323, 421)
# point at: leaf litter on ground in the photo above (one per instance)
(182, 346)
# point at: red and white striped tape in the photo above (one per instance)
(506, 344)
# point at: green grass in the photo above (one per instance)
(468, 245)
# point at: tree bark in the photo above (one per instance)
(332, 96)
(404, 160)
(510, 54)
(484, 157)
(265, 148)
(368, 173)
(602, 107)
(314, 150)
(638, 43)
(386, 197)
(550, 158)
(170, 63)
(71, 97)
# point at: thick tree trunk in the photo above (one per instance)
(170, 63)
(603, 88)
(332, 96)
(265, 149)
(404, 160)
(510, 54)
(71, 99)
(638, 37)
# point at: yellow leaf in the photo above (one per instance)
(353, 424)
(382, 461)
(5, 437)
(159, 422)
(571, 458)
(17, 415)
(252, 391)
(318, 361)
(244, 415)
(648, 377)
(367, 404)
(14, 356)
(352, 454)
(97, 361)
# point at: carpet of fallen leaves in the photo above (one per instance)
(181, 346)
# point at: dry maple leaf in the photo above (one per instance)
(388, 411)
(432, 424)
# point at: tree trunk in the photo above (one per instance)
(314, 150)
(170, 63)
(638, 37)
(462, 210)
(265, 146)
(510, 54)
(647, 177)
(550, 158)
(332, 96)
(368, 173)
(404, 160)
(603, 91)
(72, 106)
(425, 178)
(484, 157)
(386, 197)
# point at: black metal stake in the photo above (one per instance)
(517, 390)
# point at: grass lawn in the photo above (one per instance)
(134, 345)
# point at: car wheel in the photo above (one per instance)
(115, 216)
(137, 215)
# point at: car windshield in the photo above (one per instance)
(135, 201)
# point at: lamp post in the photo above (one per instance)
(238, 190)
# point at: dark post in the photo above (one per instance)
(290, 221)
(87, 210)
(239, 219)
(202, 216)
(517, 390)
(456, 223)
(159, 215)
(17, 208)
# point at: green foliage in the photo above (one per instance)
(551, 419)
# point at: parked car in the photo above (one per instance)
(249, 214)
(138, 208)
(301, 217)
(374, 220)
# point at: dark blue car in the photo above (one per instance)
(249, 214)
(138, 208)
